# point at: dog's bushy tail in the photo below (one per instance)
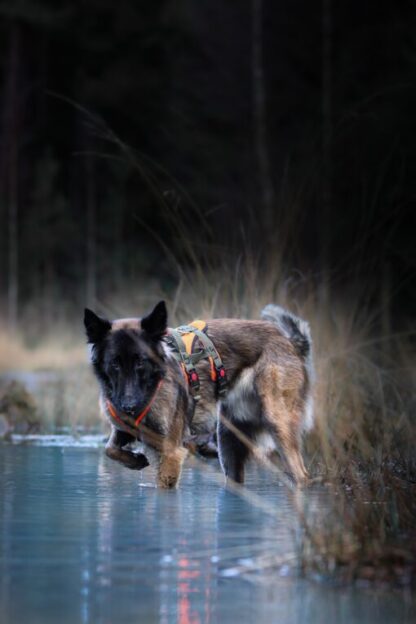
(298, 332)
(291, 326)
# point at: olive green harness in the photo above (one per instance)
(190, 344)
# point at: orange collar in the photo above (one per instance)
(142, 414)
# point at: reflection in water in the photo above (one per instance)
(81, 541)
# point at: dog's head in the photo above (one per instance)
(128, 357)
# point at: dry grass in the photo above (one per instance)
(363, 446)
(53, 353)
(57, 372)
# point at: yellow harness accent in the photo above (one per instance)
(189, 338)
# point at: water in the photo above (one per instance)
(85, 540)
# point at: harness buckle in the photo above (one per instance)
(222, 381)
(193, 380)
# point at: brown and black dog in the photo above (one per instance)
(268, 403)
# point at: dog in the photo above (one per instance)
(146, 395)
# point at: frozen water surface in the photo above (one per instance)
(81, 540)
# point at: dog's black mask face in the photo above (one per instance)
(128, 357)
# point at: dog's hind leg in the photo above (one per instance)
(232, 450)
(114, 450)
(284, 423)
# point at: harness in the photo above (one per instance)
(190, 344)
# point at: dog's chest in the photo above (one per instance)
(241, 403)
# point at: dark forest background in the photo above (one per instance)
(249, 126)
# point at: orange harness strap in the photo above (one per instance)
(142, 414)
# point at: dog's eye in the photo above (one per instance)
(138, 365)
(115, 365)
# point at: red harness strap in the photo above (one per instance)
(142, 414)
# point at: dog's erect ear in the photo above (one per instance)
(96, 327)
(155, 323)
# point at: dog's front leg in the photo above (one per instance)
(114, 450)
(170, 466)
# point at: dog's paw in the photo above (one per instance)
(167, 482)
(209, 449)
(137, 461)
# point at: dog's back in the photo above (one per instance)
(269, 365)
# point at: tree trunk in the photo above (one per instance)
(327, 140)
(259, 114)
(10, 175)
(385, 305)
(91, 286)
